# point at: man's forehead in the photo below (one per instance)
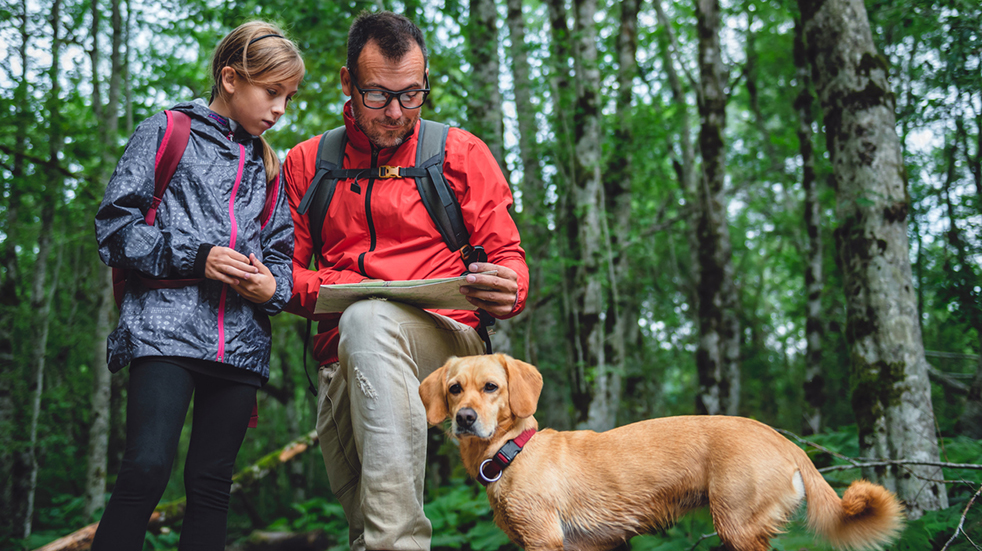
(374, 69)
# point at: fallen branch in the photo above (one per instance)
(961, 523)
(168, 514)
(856, 464)
(316, 540)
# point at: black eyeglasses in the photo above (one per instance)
(378, 98)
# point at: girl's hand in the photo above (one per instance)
(259, 287)
(228, 266)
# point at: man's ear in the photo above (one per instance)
(346, 86)
(524, 385)
(433, 392)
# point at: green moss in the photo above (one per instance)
(870, 62)
(875, 387)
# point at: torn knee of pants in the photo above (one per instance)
(364, 385)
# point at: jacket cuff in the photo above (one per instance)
(201, 259)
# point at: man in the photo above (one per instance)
(371, 422)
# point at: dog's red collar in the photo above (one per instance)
(491, 469)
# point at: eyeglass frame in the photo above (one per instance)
(393, 94)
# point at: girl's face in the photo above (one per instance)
(256, 107)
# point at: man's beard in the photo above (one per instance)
(385, 138)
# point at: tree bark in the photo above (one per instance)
(589, 243)
(891, 394)
(484, 106)
(41, 297)
(108, 116)
(622, 312)
(684, 166)
(531, 220)
(717, 356)
(814, 384)
(11, 409)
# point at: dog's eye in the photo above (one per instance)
(454, 388)
(490, 387)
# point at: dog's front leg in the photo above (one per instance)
(533, 530)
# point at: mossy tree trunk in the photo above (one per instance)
(891, 392)
(108, 116)
(814, 384)
(536, 238)
(717, 356)
(685, 163)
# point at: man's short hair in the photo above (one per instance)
(393, 33)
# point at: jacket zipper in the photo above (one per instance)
(368, 212)
(235, 230)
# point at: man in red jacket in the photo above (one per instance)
(371, 422)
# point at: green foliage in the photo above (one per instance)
(462, 519)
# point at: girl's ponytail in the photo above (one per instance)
(270, 160)
(260, 53)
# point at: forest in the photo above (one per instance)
(763, 208)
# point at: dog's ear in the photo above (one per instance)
(524, 385)
(433, 392)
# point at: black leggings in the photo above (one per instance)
(157, 404)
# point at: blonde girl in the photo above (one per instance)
(203, 278)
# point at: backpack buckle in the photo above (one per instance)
(387, 171)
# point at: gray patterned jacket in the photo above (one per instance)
(214, 199)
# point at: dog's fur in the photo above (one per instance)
(590, 491)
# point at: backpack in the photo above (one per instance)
(169, 153)
(438, 198)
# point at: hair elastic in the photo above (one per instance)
(257, 39)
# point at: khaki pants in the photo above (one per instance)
(371, 421)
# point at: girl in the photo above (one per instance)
(202, 280)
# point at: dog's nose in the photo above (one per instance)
(466, 417)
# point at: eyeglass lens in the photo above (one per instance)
(381, 98)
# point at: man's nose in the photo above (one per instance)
(394, 109)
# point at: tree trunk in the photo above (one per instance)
(531, 220)
(41, 298)
(622, 312)
(590, 249)
(814, 384)
(891, 394)
(684, 166)
(484, 107)
(717, 356)
(11, 409)
(108, 116)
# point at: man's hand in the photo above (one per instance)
(259, 287)
(228, 266)
(496, 294)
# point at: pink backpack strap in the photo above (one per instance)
(169, 154)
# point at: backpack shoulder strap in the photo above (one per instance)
(169, 154)
(329, 169)
(438, 198)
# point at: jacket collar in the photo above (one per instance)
(198, 109)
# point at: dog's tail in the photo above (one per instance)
(868, 516)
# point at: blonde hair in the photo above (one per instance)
(259, 53)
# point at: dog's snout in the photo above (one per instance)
(466, 417)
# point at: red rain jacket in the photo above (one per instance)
(380, 229)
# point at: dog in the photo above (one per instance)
(585, 491)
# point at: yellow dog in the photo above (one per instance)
(581, 490)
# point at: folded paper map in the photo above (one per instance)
(423, 293)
